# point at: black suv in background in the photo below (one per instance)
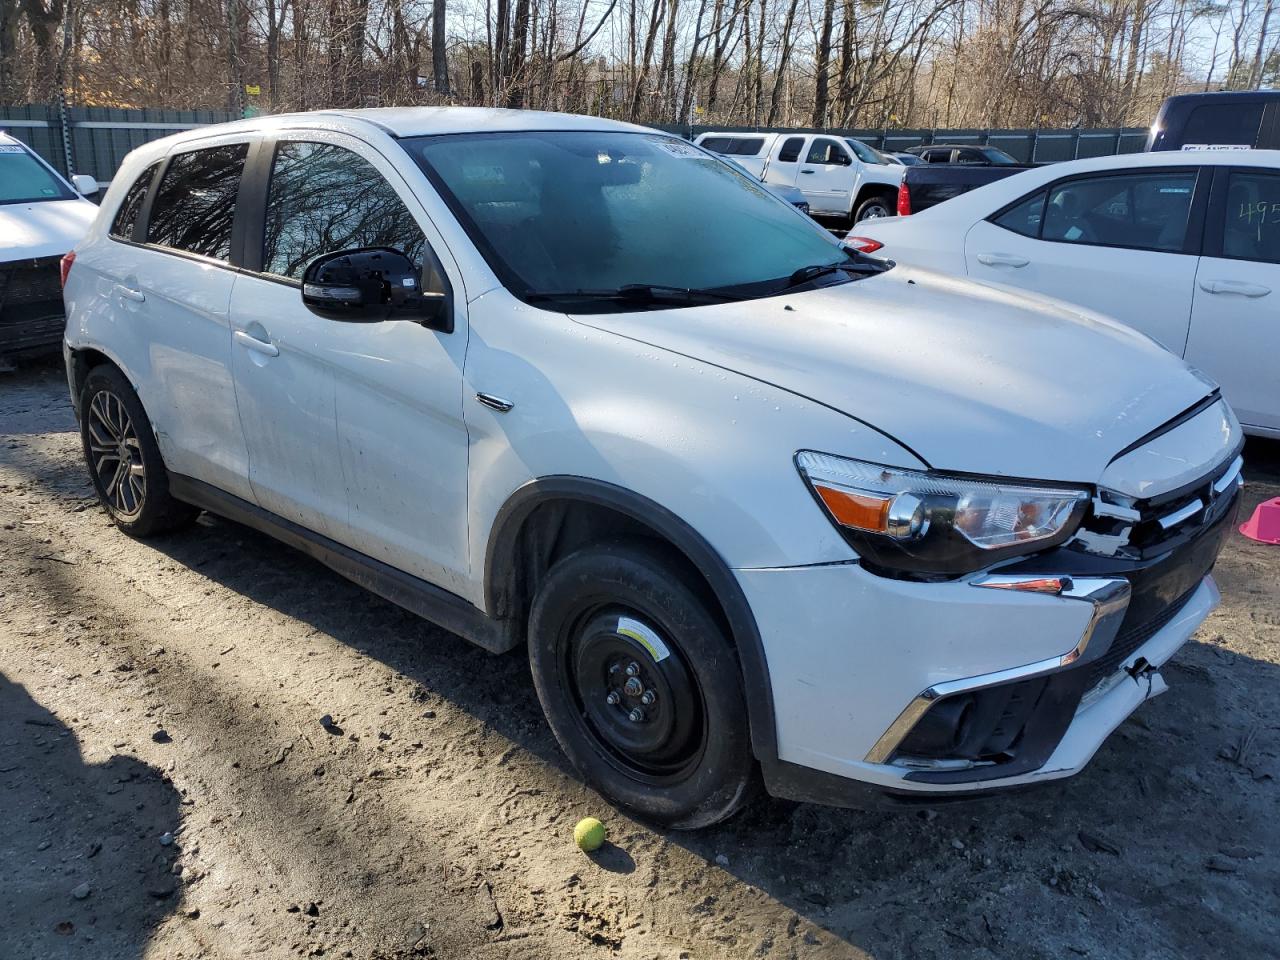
(1234, 120)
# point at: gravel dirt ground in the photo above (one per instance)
(168, 789)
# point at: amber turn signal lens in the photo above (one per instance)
(858, 510)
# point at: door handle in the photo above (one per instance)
(1002, 260)
(128, 293)
(806, 171)
(256, 345)
(1238, 287)
(501, 404)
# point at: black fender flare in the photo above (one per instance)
(500, 573)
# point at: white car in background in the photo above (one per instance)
(1183, 247)
(839, 176)
(41, 218)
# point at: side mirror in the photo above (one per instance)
(377, 283)
(85, 185)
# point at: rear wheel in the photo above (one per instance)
(640, 685)
(123, 458)
(874, 208)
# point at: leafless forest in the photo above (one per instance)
(864, 63)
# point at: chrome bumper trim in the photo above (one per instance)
(1231, 477)
(1110, 599)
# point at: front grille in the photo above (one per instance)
(1131, 637)
(31, 311)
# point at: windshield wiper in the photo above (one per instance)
(639, 293)
(814, 271)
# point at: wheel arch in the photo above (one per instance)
(869, 190)
(521, 547)
(80, 360)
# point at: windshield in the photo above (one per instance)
(866, 153)
(608, 213)
(997, 156)
(24, 179)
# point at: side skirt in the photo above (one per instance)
(428, 601)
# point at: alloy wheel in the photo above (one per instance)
(116, 455)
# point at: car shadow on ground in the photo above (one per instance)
(83, 838)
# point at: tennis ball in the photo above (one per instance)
(589, 834)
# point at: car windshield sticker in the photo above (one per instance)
(1215, 146)
(11, 148)
(678, 148)
(644, 636)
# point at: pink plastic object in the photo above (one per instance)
(1264, 525)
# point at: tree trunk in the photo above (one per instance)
(1255, 73)
(822, 65)
(8, 51)
(439, 61)
(781, 73)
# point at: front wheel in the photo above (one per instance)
(640, 685)
(873, 208)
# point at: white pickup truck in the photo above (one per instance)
(840, 177)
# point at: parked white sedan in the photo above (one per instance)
(1184, 247)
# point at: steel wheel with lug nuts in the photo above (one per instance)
(645, 714)
(640, 685)
(116, 455)
(124, 462)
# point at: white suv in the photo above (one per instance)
(755, 502)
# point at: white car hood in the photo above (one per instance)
(47, 228)
(970, 377)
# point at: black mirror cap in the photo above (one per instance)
(372, 284)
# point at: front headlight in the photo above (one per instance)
(914, 522)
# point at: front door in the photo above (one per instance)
(1235, 317)
(826, 177)
(1115, 243)
(356, 428)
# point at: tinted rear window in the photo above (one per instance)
(195, 204)
(1223, 124)
(790, 151)
(734, 146)
(127, 216)
(1253, 208)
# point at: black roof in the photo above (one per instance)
(1225, 95)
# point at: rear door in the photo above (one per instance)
(784, 164)
(1123, 244)
(1235, 317)
(826, 176)
(170, 283)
